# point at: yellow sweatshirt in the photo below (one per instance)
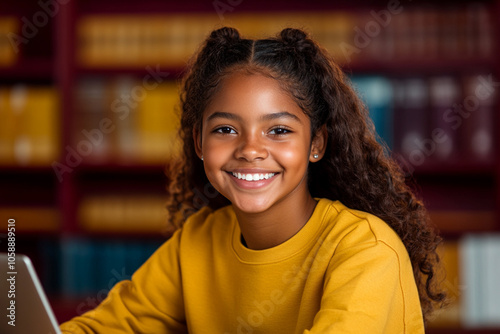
(345, 271)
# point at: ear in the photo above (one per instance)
(318, 145)
(197, 141)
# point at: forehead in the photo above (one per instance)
(252, 94)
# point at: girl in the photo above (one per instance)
(308, 226)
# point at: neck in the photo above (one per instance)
(277, 224)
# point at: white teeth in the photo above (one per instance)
(253, 177)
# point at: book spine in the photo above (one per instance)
(377, 94)
(478, 110)
(444, 93)
(411, 120)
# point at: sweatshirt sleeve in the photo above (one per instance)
(151, 302)
(369, 288)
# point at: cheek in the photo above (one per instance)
(215, 155)
(293, 155)
(214, 150)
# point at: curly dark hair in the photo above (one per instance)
(356, 169)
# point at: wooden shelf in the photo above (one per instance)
(456, 167)
(15, 169)
(28, 70)
(111, 167)
(457, 223)
(155, 6)
(419, 66)
(137, 71)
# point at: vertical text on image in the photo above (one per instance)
(11, 273)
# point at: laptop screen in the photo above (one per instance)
(23, 300)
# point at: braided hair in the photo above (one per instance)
(355, 169)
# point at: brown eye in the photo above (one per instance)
(225, 130)
(279, 131)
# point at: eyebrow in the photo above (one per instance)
(281, 114)
(267, 117)
(222, 114)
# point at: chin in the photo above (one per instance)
(251, 205)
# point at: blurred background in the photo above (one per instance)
(88, 94)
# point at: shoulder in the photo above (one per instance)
(352, 227)
(367, 263)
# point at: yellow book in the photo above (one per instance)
(155, 39)
(178, 39)
(157, 124)
(122, 48)
(123, 213)
(7, 129)
(34, 115)
(254, 25)
(9, 27)
(98, 40)
(112, 53)
(143, 39)
(450, 316)
(18, 100)
(42, 125)
(87, 47)
(4, 43)
(191, 37)
(243, 23)
(33, 219)
(170, 31)
(337, 31)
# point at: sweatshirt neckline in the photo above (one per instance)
(307, 234)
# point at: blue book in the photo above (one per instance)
(377, 95)
(50, 251)
(77, 267)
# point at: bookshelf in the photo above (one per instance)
(108, 184)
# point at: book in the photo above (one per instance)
(123, 213)
(479, 263)
(9, 32)
(33, 219)
(478, 118)
(29, 133)
(411, 121)
(453, 285)
(124, 146)
(444, 93)
(90, 144)
(157, 124)
(377, 94)
(7, 128)
(43, 125)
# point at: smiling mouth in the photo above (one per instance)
(253, 176)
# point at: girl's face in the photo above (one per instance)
(256, 143)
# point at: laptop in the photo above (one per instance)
(22, 299)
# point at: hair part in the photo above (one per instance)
(355, 168)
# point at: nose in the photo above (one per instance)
(252, 147)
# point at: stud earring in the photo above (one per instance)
(316, 156)
(202, 158)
